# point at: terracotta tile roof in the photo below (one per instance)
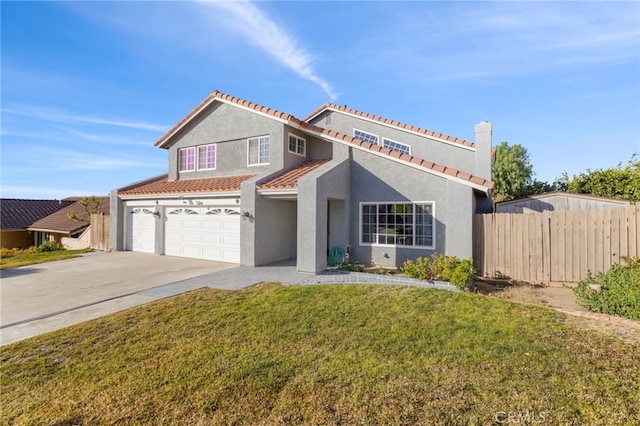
(288, 179)
(405, 157)
(184, 186)
(20, 214)
(344, 108)
(60, 222)
(336, 135)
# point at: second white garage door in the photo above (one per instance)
(203, 233)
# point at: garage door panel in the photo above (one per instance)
(141, 230)
(212, 240)
(203, 233)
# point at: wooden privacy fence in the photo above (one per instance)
(100, 232)
(554, 247)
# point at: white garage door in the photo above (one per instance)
(211, 233)
(141, 229)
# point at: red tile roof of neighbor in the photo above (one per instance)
(337, 135)
(165, 186)
(404, 126)
(288, 179)
(20, 214)
(60, 222)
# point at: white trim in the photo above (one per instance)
(298, 139)
(176, 196)
(52, 231)
(249, 164)
(206, 105)
(470, 148)
(278, 191)
(433, 219)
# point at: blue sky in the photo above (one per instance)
(88, 87)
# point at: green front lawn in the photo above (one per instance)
(330, 354)
(33, 258)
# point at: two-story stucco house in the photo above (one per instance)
(251, 185)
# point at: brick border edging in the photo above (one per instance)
(601, 317)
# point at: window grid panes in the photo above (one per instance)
(259, 150)
(402, 224)
(396, 146)
(297, 145)
(206, 157)
(364, 136)
(187, 159)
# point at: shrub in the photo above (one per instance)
(620, 292)
(351, 267)
(458, 272)
(50, 245)
(10, 252)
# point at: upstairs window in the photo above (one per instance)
(187, 159)
(206, 157)
(396, 146)
(297, 145)
(364, 136)
(258, 150)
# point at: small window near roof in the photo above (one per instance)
(297, 145)
(187, 159)
(364, 136)
(396, 146)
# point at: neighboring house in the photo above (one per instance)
(559, 201)
(59, 227)
(17, 215)
(251, 185)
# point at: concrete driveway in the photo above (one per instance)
(33, 295)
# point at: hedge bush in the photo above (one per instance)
(458, 272)
(50, 245)
(620, 293)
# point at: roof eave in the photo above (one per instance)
(330, 107)
(313, 130)
(220, 97)
(168, 196)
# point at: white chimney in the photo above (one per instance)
(483, 150)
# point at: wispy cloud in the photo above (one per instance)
(55, 115)
(254, 24)
(69, 160)
(68, 135)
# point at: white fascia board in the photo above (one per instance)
(278, 192)
(205, 106)
(473, 185)
(54, 231)
(190, 195)
(422, 135)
